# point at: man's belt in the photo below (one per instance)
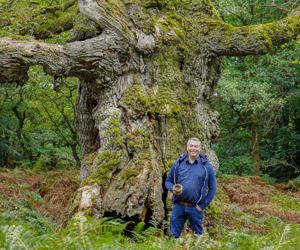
(190, 204)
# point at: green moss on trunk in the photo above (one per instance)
(137, 140)
(40, 19)
(135, 167)
(107, 162)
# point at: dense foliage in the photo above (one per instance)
(88, 233)
(37, 124)
(258, 98)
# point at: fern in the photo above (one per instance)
(281, 238)
(17, 237)
(89, 233)
(289, 238)
(82, 224)
(30, 218)
(86, 232)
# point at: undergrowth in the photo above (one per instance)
(109, 233)
(246, 214)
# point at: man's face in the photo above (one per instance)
(193, 149)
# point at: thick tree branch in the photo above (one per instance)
(126, 19)
(107, 14)
(99, 56)
(16, 56)
(225, 39)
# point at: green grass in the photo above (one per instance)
(287, 202)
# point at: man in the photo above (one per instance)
(193, 183)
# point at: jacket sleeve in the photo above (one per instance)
(170, 178)
(212, 187)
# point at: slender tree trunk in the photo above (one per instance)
(75, 155)
(21, 116)
(255, 147)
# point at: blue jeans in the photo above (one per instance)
(180, 213)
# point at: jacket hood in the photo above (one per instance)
(183, 157)
(203, 158)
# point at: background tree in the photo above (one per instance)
(38, 124)
(146, 76)
(274, 78)
(246, 103)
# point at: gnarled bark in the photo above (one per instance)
(89, 59)
(146, 82)
(254, 39)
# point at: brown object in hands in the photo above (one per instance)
(177, 189)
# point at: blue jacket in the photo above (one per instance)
(198, 180)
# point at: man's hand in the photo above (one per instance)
(199, 208)
(177, 189)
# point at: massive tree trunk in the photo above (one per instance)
(145, 86)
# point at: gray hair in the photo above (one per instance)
(194, 139)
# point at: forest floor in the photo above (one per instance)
(246, 209)
(45, 193)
